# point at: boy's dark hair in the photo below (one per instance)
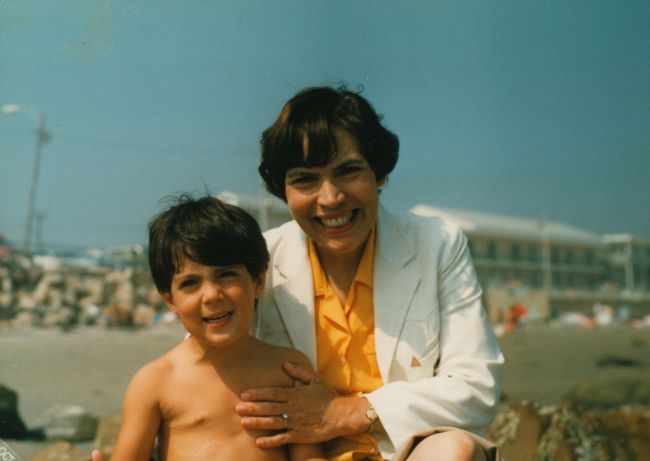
(208, 231)
(313, 115)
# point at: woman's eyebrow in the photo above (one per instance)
(351, 162)
(299, 171)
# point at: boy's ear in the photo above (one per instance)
(259, 285)
(169, 301)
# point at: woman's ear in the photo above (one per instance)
(169, 301)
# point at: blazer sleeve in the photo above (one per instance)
(462, 389)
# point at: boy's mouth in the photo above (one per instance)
(215, 319)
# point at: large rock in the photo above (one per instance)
(11, 425)
(525, 431)
(518, 428)
(69, 422)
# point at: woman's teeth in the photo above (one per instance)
(337, 222)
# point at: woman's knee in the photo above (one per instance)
(453, 445)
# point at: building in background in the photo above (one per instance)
(629, 261)
(546, 266)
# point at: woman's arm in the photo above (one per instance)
(461, 385)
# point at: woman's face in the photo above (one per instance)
(336, 204)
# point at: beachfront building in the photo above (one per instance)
(629, 262)
(548, 266)
(535, 253)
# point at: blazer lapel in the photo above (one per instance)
(293, 290)
(394, 286)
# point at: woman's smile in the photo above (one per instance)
(339, 223)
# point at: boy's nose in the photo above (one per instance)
(212, 293)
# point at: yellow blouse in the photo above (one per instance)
(345, 344)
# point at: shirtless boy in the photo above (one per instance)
(208, 260)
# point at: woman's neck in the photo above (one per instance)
(340, 269)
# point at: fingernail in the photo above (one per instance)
(245, 396)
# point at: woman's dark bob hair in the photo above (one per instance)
(310, 119)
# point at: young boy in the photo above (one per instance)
(208, 260)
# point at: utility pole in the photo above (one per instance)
(42, 136)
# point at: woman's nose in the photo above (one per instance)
(330, 195)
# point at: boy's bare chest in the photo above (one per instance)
(202, 397)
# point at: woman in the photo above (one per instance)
(386, 306)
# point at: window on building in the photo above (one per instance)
(570, 280)
(492, 250)
(536, 279)
(557, 280)
(515, 252)
(555, 255)
(568, 255)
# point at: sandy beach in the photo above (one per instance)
(91, 367)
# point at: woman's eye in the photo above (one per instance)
(349, 171)
(303, 179)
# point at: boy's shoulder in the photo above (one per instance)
(280, 353)
(157, 369)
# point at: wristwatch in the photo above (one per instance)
(372, 415)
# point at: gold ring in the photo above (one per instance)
(285, 418)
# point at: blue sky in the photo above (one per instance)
(530, 108)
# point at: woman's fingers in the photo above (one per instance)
(266, 394)
(96, 455)
(263, 422)
(277, 440)
(260, 408)
(300, 373)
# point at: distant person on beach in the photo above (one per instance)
(386, 306)
(208, 260)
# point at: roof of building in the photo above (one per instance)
(253, 202)
(494, 225)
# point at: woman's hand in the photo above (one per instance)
(314, 411)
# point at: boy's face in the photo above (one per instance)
(215, 303)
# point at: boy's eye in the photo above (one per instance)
(187, 283)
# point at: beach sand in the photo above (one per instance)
(91, 367)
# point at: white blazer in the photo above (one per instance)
(436, 353)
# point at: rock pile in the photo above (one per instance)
(527, 431)
(67, 296)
